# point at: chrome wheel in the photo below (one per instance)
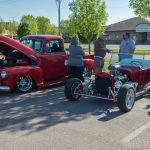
(73, 89)
(126, 98)
(76, 90)
(24, 84)
(130, 98)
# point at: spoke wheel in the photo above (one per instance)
(76, 89)
(73, 89)
(24, 84)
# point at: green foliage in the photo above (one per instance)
(88, 18)
(141, 7)
(53, 29)
(23, 30)
(67, 30)
(44, 25)
(12, 27)
(2, 26)
(32, 23)
(40, 25)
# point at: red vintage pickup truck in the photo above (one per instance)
(35, 61)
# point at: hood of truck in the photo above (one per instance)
(19, 46)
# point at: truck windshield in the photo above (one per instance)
(34, 44)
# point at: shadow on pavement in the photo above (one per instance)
(147, 106)
(40, 110)
(147, 96)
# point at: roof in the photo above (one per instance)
(127, 25)
(43, 36)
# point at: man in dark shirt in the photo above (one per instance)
(100, 51)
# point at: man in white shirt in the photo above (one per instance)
(127, 47)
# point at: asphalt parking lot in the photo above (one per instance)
(45, 120)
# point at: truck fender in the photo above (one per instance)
(15, 73)
(89, 63)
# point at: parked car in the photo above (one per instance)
(36, 61)
(128, 78)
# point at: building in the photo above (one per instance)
(138, 28)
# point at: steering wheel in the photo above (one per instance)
(137, 63)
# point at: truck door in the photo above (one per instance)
(54, 59)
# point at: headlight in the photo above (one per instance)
(3, 74)
(118, 84)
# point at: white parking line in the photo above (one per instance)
(136, 132)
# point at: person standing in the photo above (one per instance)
(100, 51)
(127, 47)
(75, 60)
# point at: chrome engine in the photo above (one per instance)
(120, 78)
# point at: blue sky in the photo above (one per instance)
(118, 10)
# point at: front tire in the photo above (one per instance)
(126, 98)
(24, 84)
(73, 85)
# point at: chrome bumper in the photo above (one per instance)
(4, 88)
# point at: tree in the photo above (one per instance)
(88, 18)
(53, 30)
(23, 30)
(32, 23)
(141, 7)
(12, 27)
(67, 30)
(44, 25)
(2, 26)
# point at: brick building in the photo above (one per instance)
(138, 28)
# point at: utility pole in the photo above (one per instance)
(58, 3)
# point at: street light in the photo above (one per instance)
(58, 3)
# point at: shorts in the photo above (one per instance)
(99, 63)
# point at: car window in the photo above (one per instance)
(37, 46)
(34, 44)
(53, 46)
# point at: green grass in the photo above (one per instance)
(66, 45)
(136, 51)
